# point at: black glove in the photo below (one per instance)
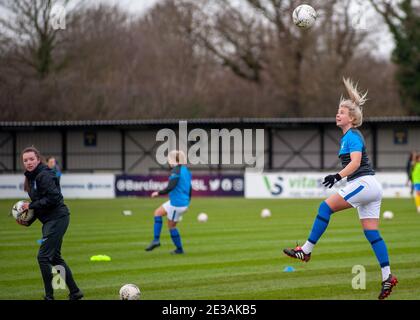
(331, 179)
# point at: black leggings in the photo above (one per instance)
(49, 255)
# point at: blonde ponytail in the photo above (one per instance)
(355, 103)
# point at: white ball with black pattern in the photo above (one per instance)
(130, 292)
(19, 214)
(304, 16)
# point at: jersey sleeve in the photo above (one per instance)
(173, 181)
(355, 144)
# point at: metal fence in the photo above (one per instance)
(130, 146)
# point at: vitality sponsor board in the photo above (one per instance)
(203, 185)
(309, 185)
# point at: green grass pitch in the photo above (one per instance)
(235, 255)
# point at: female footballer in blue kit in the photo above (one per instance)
(179, 190)
(362, 190)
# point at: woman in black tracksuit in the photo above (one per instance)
(47, 202)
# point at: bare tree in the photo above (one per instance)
(30, 34)
(258, 42)
(185, 60)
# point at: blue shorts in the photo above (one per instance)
(417, 186)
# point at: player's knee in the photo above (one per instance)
(370, 224)
(171, 224)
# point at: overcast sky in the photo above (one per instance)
(137, 6)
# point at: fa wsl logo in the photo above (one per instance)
(58, 17)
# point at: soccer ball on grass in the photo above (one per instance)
(265, 213)
(388, 215)
(130, 292)
(202, 217)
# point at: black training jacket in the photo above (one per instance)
(45, 193)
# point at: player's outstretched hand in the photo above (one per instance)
(155, 194)
(331, 179)
(25, 206)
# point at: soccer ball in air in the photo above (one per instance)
(129, 292)
(388, 215)
(202, 217)
(265, 213)
(22, 215)
(304, 16)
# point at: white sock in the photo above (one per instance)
(308, 247)
(386, 271)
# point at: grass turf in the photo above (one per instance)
(235, 255)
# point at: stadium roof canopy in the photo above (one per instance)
(205, 122)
